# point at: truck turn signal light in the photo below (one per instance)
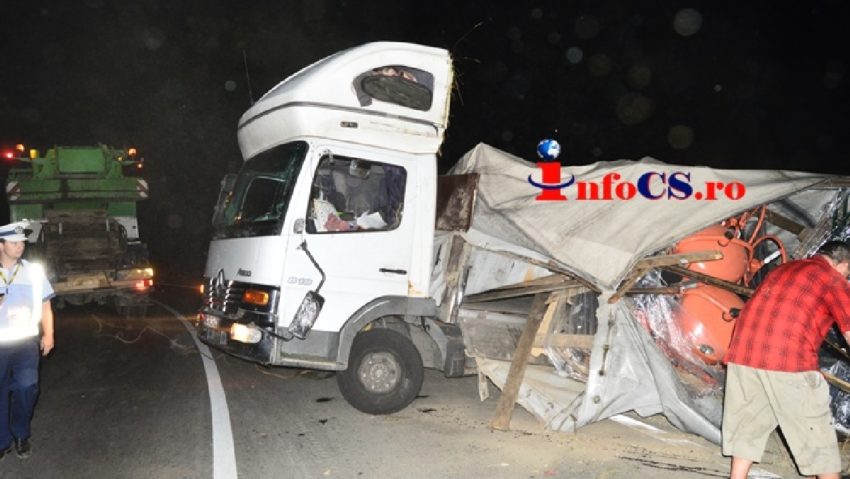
(257, 297)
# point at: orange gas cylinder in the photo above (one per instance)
(705, 318)
(736, 253)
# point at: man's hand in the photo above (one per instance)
(46, 328)
(46, 344)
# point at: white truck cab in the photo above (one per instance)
(322, 246)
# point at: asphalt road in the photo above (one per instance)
(130, 398)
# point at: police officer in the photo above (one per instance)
(26, 327)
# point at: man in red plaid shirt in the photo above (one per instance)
(772, 377)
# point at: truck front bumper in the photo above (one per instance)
(317, 351)
(216, 332)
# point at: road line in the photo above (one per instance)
(224, 455)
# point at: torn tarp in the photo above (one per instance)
(601, 240)
(513, 237)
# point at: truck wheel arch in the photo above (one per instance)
(388, 306)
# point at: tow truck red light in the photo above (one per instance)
(8, 154)
(143, 284)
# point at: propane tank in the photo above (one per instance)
(736, 252)
(706, 317)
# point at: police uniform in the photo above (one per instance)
(23, 290)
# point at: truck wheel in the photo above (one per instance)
(384, 372)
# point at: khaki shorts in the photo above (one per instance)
(757, 400)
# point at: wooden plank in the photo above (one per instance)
(549, 265)
(823, 227)
(647, 264)
(504, 410)
(627, 283)
(516, 292)
(783, 222)
(836, 381)
(737, 288)
(677, 288)
(679, 258)
(553, 303)
(835, 182)
(541, 281)
(570, 341)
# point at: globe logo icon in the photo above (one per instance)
(548, 149)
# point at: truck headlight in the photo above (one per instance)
(245, 334)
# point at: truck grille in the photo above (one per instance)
(224, 297)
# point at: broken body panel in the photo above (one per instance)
(335, 201)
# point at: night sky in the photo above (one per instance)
(761, 84)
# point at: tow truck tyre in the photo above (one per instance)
(384, 372)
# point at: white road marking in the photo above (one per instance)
(224, 455)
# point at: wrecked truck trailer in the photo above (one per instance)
(325, 253)
(616, 272)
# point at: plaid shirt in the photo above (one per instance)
(783, 325)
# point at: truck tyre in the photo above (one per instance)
(384, 372)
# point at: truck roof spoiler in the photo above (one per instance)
(386, 94)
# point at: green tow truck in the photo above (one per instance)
(81, 204)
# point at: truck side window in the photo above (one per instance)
(350, 195)
(398, 84)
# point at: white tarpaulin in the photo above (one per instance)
(600, 240)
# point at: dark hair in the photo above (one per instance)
(837, 251)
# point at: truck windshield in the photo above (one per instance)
(256, 206)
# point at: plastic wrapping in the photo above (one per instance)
(667, 323)
(692, 326)
(840, 399)
(575, 317)
(833, 358)
(833, 224)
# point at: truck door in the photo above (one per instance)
(358, 230)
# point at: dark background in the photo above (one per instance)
(759, 84)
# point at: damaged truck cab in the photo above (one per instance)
(322, 245)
